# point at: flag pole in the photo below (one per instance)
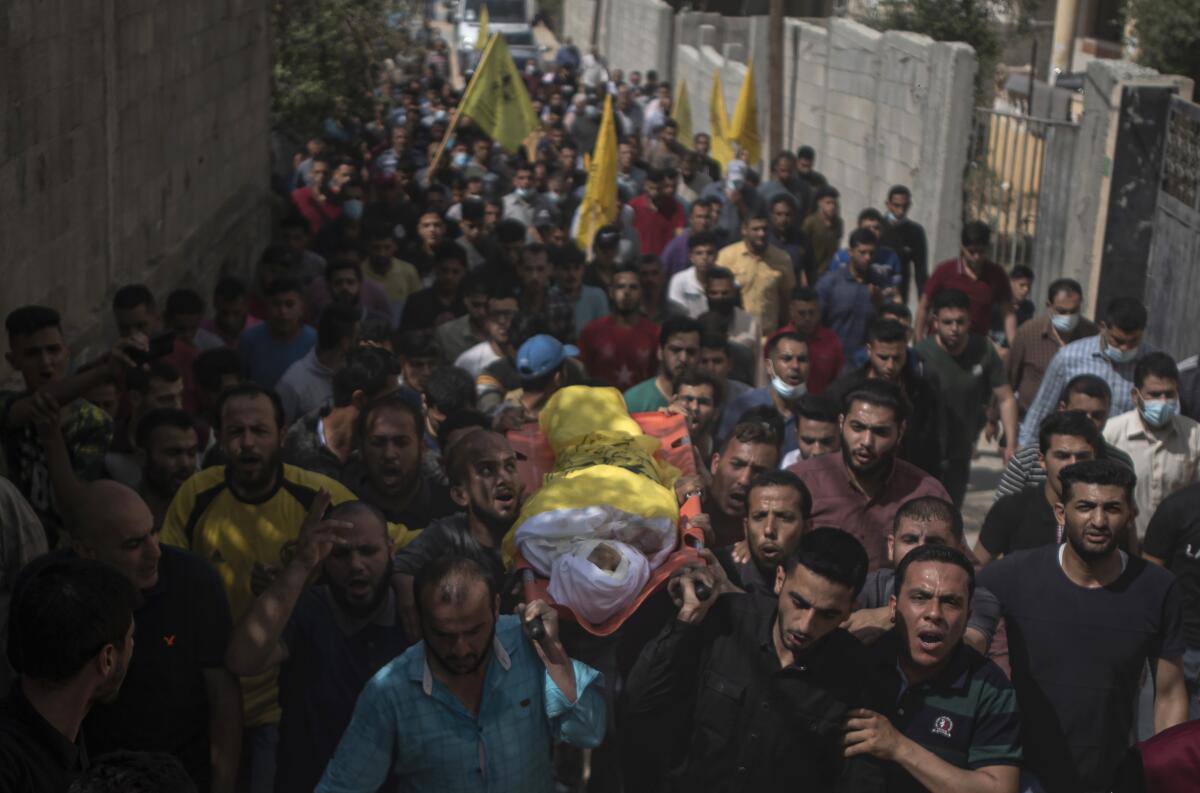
(437, 157)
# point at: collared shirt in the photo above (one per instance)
(557, 314)
(738, 720)
(686, 293)
(988, 290)
(967, 714)
(796, 245)
(1165, 460)
(307, 385)
(408, 723)
(180, 630)
(34, 756)
(1024, 469)
(656, 225)
(754, 398)
(524, 210)
(1083, 356)
(328, 664)
(846, 305)
(765, 281)
(837, 502)
(207, 518)
(1018, 522)
(1032, 350)
(885, 265)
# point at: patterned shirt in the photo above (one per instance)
(87, 431)
(1024, 470)
(409, 723)
(967, 715)
(1080, 357)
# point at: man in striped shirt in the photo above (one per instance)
(1086, 392)
(952, 721)
(1111, 356)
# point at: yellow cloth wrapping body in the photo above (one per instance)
(606, 483)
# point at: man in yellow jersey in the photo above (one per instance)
(244, 518)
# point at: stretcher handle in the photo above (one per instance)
(534, 627)
(703, 591)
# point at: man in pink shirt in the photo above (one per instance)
(860, 490)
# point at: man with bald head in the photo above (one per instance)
(177, 697)
(485, 485)
(329, 639)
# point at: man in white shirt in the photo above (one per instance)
(502, 309)
(1164, 445)
(686, 291)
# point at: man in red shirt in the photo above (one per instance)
(621, 349)
(825, 355)
(657, 214)
(985, 284)
(313, 201)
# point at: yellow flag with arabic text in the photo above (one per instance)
(496, 99)
(718, 123)
(744, 128)
(599, 206)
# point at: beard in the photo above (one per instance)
(460, 666)
(873, 467)
(360, 610)
(1091, 553)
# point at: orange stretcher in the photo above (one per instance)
(535, 459)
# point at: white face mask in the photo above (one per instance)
(785, 390)
(1064, 323)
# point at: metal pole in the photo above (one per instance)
(775, 78)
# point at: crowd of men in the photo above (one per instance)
(258, 544)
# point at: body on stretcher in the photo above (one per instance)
(535, 458)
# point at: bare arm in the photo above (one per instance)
(1010, 325)
(869, 733)
(1008, 417)
(255, 646)
(922, 318)
(1170, 694)
(975, 639)
(224, 728)
(981, 553)
(72, 387)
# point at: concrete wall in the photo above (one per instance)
(633, 35)
(875, 106)
(134, 148)
(578, 16)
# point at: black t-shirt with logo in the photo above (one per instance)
(1174, 536)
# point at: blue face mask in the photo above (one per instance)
(461, 159)
(352, 208)
(1119, 356)
(1159, 412)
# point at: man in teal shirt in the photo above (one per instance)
(477, 704)
(678, 346)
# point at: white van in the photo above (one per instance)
(509, 18)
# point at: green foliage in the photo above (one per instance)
(1167, 35)
(326, 51)
(974, 22)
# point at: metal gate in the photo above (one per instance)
(1018, 181)
(1172, 275)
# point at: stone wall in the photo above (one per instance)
(879, 108)
(134, 148)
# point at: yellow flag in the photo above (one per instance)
(599, 205)
(718, 123)
(481, 41)
(681, 111)
(496, 99)
(744, 129)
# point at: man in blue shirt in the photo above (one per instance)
(268, 349)
(850, 296)
(477, 704)
(885, 263)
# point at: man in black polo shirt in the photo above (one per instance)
(1083, 619)
(952, 721)
(1173, 541)
(737, 697)
(1026, 519)
(328, 640)
(779, 506)
(70, 638)
(178, 696)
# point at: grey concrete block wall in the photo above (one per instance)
(133, 148)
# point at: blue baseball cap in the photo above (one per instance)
(540, 355)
